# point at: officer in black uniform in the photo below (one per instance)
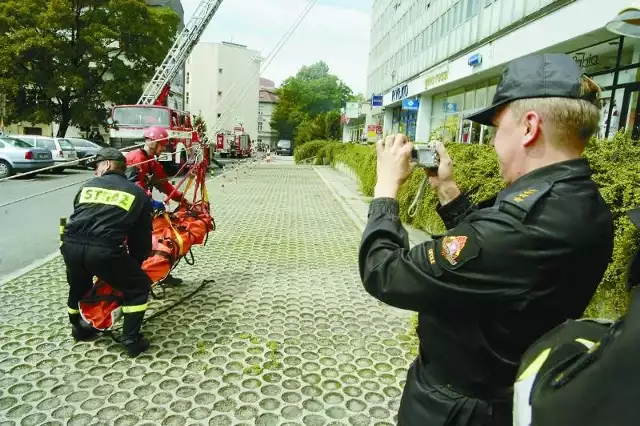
(507, 270)
(107, 211)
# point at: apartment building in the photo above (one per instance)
(266, 105)
(435, 61)
(223, 85)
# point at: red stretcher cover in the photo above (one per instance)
(173, 236)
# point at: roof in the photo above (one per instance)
(267, 95)
(265, 82)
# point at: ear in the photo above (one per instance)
(532, 127)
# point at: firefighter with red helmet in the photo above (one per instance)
(144, 170)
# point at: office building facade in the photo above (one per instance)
(435, 61)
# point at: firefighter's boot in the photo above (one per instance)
(133, 341)
(170, 280)
(81, 331)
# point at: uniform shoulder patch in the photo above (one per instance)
(452, 247)
(453, 250)
(520, 203)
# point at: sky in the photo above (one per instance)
(335, 31)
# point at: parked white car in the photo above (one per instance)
(61, 149)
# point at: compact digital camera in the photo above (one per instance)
(426, 156)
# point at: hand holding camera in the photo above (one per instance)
(393, 165)
(426, 156)
(441, 177)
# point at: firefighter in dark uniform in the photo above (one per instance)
(109, 236)
(507, 270)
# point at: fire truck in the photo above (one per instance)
(236, 144)
(127, 124)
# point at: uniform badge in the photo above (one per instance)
(452, 247)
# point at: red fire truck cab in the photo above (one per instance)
(127, 124)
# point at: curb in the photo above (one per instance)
(30, 267)
(355, 218)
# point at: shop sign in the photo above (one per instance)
(436, 78)
(372, 131)
(585, 61)
(400, 93)
(376, 100)
(450, 107)
(410, 104)
(475, 60)
(352, 110)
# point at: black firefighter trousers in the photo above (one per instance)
(114, 265)
(427, 400)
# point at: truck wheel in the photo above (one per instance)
(5, 169)
(183, 161)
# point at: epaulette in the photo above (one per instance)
(520, 203)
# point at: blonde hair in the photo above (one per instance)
(570, 123)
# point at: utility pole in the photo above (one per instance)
(3, 111)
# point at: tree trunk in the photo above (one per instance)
(65, 119)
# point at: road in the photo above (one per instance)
(30, 212)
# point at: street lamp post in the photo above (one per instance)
(3, 111)
(627, 22)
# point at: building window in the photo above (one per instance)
(621, 101)
(32, 131)
(187, 79)
(259, 126)
(472, 8)
(219, 115)
(449, 108)
(220, 70)
(219, 93)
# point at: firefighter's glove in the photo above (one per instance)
(157, 205)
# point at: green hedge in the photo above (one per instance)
(616, 170)
(315, 151)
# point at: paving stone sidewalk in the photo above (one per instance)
(285, 336)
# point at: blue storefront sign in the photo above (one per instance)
(410, 104)
(475, 60)
(376, 100)
(449, 107)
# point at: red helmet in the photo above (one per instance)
(156, 133)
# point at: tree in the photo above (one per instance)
(62, 60)
(333, 125)
(311, 129)
(358, 98)
(311, 93)
(200, 125)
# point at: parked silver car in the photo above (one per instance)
(17, 156)
(85, 149)
(61, 150)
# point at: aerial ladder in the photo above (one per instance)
(179, 52)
